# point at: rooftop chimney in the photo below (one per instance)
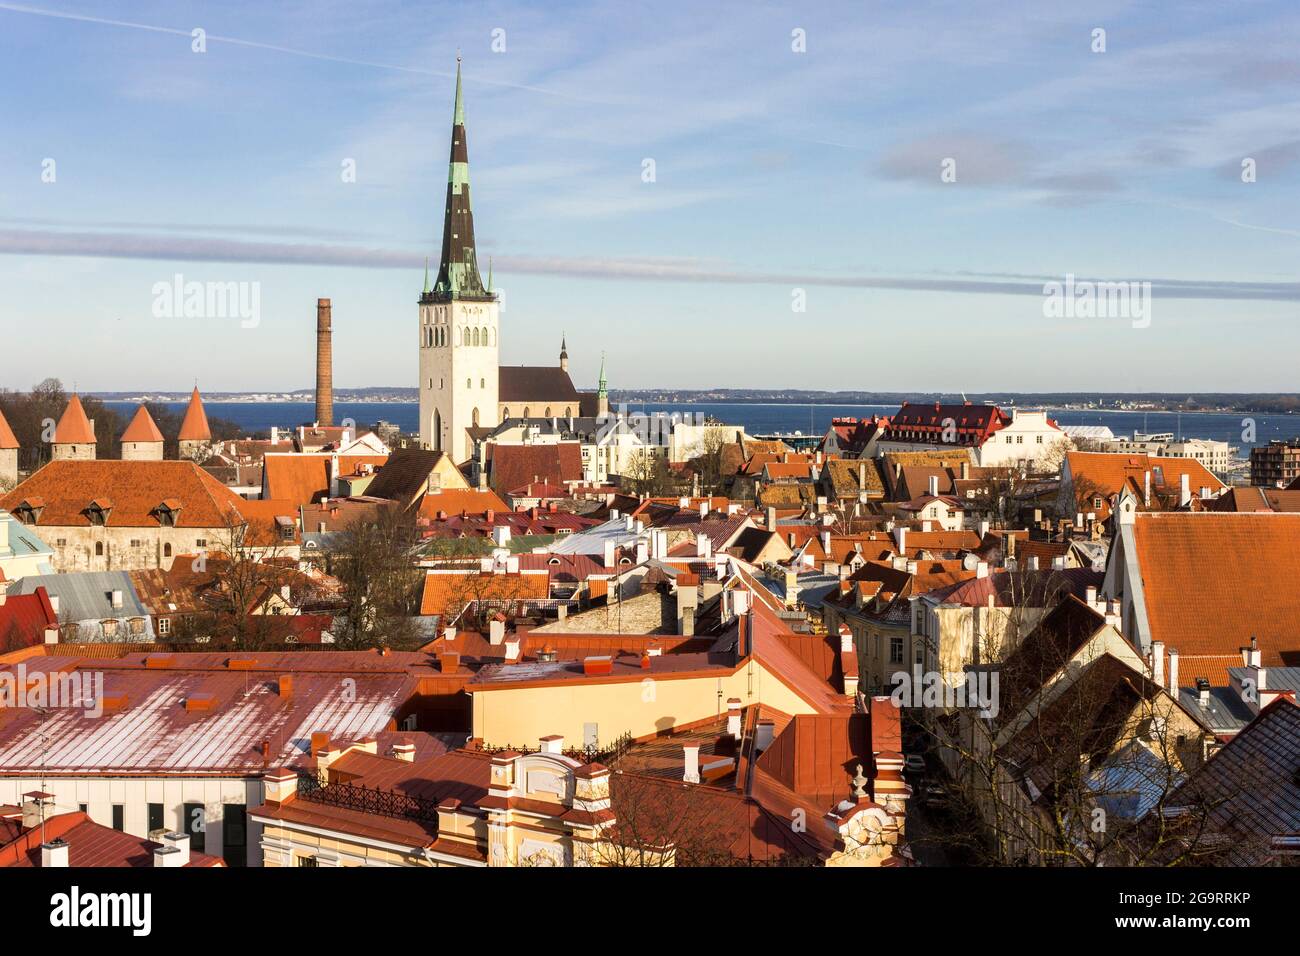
(691, 772)
(733, 717)
(180, 842)
(324, 364)
(553, 744)
(934, 486)
(1173, 673)
(54, 853)
(404, 750)
(1184, 490)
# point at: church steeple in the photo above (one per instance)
(602, 391)
(564, 353)
(458, 275)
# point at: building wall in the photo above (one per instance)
(519, 715)
(458, 382)
(124, 549)
(1029, 438)
(100, 793)
(72, 452)
(142, 451)
(8, 468)
(540, 407)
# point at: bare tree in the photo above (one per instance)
(381, 583)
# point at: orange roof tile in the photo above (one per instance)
(142, 428)
(455, 500)
(74, 427)
(195, 425)
(449, 592)
(1213, 580)
(135, 488)
(7, 439)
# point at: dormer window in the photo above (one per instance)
(98, 512)
(29, 511)
(167, 512)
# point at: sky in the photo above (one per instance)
(833, 195)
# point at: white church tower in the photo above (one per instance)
(458, 322)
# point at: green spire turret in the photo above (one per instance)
(458, 275)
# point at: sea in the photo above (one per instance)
(774, 418)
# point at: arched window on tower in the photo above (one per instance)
(466, 337)
(505, 413)
(485, 337)
(525, 411)
(474, 418)
(476, 336)
(548, 411)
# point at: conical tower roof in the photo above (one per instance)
(74, 427)
(142, 428)
(195, 425)
(7, 438)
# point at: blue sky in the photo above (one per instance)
(774, 171)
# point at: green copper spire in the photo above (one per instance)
(426, 275)
(602, 389)
(458, 275)
(489, 285)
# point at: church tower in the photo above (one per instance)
(458, 321)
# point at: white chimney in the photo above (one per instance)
(1146, 489)
(54, 853)
(496, 631)
(117, 599)
(1158, 662)
(54, 603)
(512, 648)
(703, 545)
(181, 841)
(501, 535)
(1173, 673)
(846, 639)
(553, 744)
(934, 486)
(275, 435)
(740, 601)
(704, 508)
(982, 570)
(404, 750)
(926, 527)
(902, 539)
(826, 542)
(1091, 593)
(1184, 490)
(733, 717)
(691, 771)
(168, 857)
(984, 530)
(609, 553)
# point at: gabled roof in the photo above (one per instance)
(194, 427)
(142, 428)
(535, 383)
(74, 427)
(24, 618)
(513, 466)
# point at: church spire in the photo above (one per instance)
(458, 275)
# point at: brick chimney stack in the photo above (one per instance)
(324, 364)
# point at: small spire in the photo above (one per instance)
(459, 117)
(426, 275)
(489, 288)
(601, 385)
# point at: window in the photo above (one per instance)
(164, 626)
(1039, 439)
(61, 542)
(155, 818)
(118, 823)
(137, 543)
(137, 626)
(1020, 439)
(895, 650)
(193, 825)
(82, 807)
(99, 549)
(469, 383)
(200, 542)
(306, 861)
(167, 550)
(234, 835)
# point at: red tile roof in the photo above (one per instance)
(89, 845)
(454, 501)
(136, 490)
(194, 427)
(1213, 580)
(24, 618)
(1111, 473)
(973, 424)
(74, 427)
(513, 466)
(305, 478)
(447, 592)
(142, 428)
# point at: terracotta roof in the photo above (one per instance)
(449, 591)
(7, 439)
(1111, 473)
(89, 845)
(973, 424)
(513, 466)
(74, 427)
(304, 478)
(816, 754)
(136, 489)
(1212, 581)
(142, 428)
(454, 501)
(194, 427)
(405, 475)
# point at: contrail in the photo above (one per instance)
(293, 51)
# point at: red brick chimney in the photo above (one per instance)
(324, 364)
